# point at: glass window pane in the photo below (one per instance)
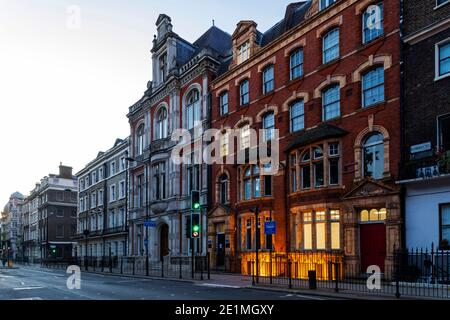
(445, 215)
(335, 236)
(364, 216)
(257, 187)
(331, 46)
(334, 171)
(318, 174)
(320, 216)
(307, 237)
(320, 236)
(374, 215)
(306, 177)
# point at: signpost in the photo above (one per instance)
(270, 227)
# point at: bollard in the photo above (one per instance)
(181, 269)
(121, 266)
(253, 273)
(134, 267)
(162, 268)
(201, 268)
(209, 266)
(312, 280)
(336, 270)
(290, 273)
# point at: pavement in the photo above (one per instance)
(35, 283)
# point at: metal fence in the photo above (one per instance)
(416, 273)
(181, 267)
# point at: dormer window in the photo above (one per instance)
(163, 67)
(243, 53)
(325, 4)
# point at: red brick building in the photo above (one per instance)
(327, 76)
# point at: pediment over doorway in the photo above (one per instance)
(218, 211)
(370, 188)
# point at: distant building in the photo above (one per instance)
(102, 204)
(49, 217)
(10, 225)
(426, 122)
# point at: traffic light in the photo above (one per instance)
(195, 200)
(195, 225)
(53, 251)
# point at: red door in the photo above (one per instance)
(373, 245)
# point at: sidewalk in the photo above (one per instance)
(226, 280)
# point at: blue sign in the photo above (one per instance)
(150, 224)
(270, 227)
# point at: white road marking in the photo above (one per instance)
(215, 285)
(27, 288)
(309, 297)
(34, 298)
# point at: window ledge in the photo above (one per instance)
(442, 77)
(372, 106)
(296, 80)
(441, 5)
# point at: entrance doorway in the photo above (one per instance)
(373, 245)
(221, 250)
(164, 241)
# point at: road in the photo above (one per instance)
(34, 283)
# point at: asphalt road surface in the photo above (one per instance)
(33, 283)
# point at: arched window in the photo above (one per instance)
(297, 116)
(252, 183)
(372, 22)
(268, 79)
(312, 166)
(331, 103)
(331, 46)
(140, 140)
(269, 126)
(223, 101)
(373, 87)
(223, 189)
(373, 156)
(193, 109)
(296, 64)
(244, 92)
(161, 124)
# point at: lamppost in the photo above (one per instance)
(256, 212)
(86, 235)
(147, 193)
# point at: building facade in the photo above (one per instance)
(327, 78)
(426, 123)
(177, 98)
(30, 225)
(102, 228)
(11, 232)
(48, 217)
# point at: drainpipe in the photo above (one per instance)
(402, 126)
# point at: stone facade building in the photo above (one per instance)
(426, 123)
(177, 98)
(102, 204)
(327, 76)
(11, 231)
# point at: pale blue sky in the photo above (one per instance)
(64, 93)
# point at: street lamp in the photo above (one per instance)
(147, 190)
(256, 212)
(86, 235)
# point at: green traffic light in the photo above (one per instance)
(196, 228)
(197, 206)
